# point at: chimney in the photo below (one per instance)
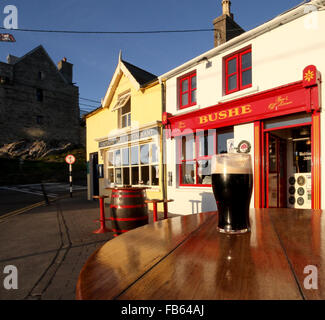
(225, 27)
(12, 59)
(226, 8)
(65, 68)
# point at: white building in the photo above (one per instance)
(262, 87)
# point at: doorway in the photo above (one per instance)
(288, 167)
(94, 174)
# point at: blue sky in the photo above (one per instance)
(95, 56)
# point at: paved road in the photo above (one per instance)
(49, 245)
(20, 196)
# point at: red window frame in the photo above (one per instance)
(239, 71)
(188, 91)
(197, 157)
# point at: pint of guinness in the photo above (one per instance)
(232, 183)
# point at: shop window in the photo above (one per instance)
(133, 165)
(196, 152)
(187, 90)
(238, 71)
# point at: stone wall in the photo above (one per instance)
(22, 116)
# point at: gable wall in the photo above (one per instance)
(19, 107)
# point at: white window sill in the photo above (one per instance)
(239, 94)
(186, 110)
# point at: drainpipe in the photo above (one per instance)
(163, 138)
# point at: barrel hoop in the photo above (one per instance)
(119, 231)
(127, 196)
(128, 191)
(128, 206)
(129, 219)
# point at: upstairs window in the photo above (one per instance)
(123, 106)
(125, 115)
(39, 95)
(238, 71)
(41, 75)
(187, 90)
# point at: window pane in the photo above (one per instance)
(135, 175)
(118, 176)
(206, 144)
(188, 148)
(222, 141)
(126, 176)
(185, 99)
(110, 176)
(126, 108)
(193, 97)
(232, 82)
(247, 77)
(154, 151)
(124, 121)
(144, 154)
(188, 173)
(232, 66)
(125, 157)
(204, 172)
(129, 119)
(117, 158)
(185, 85)
(246, 60)
(110, 158)
(193, 82)
(155, 175)
(145, 175)
(134, 155)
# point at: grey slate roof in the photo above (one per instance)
(141, 76)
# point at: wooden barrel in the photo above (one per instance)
(128, 209)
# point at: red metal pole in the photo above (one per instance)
(155, 211)
(102, 228)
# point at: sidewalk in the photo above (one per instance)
(49, 245)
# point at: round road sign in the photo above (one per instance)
(70, 159)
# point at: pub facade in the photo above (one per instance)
(124, 134)
(259, 93)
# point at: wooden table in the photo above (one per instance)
(186, 258)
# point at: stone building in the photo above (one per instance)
(38, 100)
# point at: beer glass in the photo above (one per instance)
(232, 184)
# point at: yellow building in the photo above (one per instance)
(124, 135)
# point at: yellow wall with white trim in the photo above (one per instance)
(146, 108)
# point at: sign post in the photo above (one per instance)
(7, 37)
(70, 160)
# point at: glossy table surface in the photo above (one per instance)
(187, 258)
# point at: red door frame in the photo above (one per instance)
(315, 161)
(278, 141)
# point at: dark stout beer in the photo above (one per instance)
(232, 183)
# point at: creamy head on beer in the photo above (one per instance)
(231, 163)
